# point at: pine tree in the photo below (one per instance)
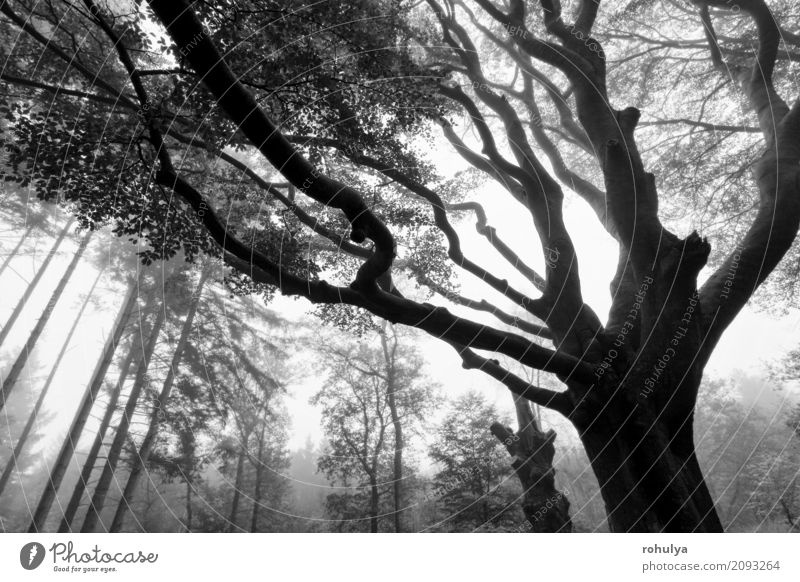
(33, 416)
(67, 450)
(34, 282)
(114, 453)
(10, 381)
(139, 461)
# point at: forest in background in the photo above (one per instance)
(183, 423)
(184, 180)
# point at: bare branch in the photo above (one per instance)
(778, 177)
(558, 401)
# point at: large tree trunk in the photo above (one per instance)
(35, 281)
(545, 507)
(59, 468)
(140, 461)
(646, 465)
(10, 381)
(237, 487)
(114, 453)
(26, 431)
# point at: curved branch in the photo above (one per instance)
(242, 108)
(441, 220)
(437, 321)
(559, 401)
(483, 305)
(490, 234)
(313, 223)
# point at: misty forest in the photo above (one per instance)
(400, 266)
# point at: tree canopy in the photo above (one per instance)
(294, 141)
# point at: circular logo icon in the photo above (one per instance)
(31, 555)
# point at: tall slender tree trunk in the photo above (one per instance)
(10, 381)
(59, 468)
(188, 522)
(114, 453)
(140, 461)
(35, 281)
(545, 507)
(26, 431)
(391, 396)
(89, 463)
(259, 479)
(397, 475)
(373, 503)
(237, 487)
(8, 258)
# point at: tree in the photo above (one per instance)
(26, 430)
(400, 373)
(141, 379)
(31, 287)
(223, 423)
(533, 450)
(143, 454)
(67, 449)
(88, 402)
(752, 452)
(10, 379)
(372, 395)
(473, 484)
(631, 383)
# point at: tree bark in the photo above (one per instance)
(32, 285)
(649, 477)
(259, 478)
(81, 416)
(140, 461)
(237, 487)
(397, 473)
(114, 453)
(545, 507)
(188, 522)
(91, 457)
(373, 503)
(10, 381)
(26, 431)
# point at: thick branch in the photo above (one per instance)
(778, 178)
(242, 108)
(558, 401)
